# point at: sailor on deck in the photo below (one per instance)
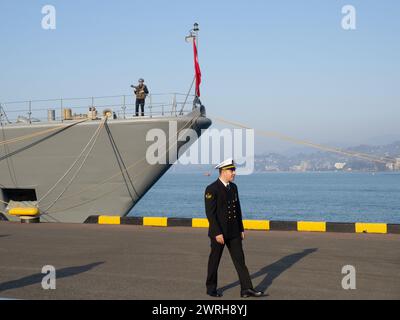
(226, 227)
(141, 93)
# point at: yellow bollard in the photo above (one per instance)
(27, 215)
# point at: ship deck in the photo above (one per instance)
(95, 122)
(136, 262)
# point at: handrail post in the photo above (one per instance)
(151, 106)
(124, 107)
(174, 104)
(61, 110)
(30, 112)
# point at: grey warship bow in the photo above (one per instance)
(85, 164)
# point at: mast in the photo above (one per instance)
(194, 38)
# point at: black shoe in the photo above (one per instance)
(251, 293)
(215, 294)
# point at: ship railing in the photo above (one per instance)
(120, 106)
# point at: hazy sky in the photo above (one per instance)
(287, 66)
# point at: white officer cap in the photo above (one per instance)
(227, 164)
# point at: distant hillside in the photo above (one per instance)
(389, 150)
(325, 161)
(304, 161)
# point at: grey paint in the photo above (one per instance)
(40, 162)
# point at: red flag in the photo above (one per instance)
(196, 69)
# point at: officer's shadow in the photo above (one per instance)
(38, 277)
(273, 270)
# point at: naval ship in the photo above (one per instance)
(64, 160)
(74, 165)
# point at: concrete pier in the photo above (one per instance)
(138, 262)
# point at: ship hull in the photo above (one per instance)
(114, 177)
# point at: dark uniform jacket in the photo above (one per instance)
(141, 91)
(223, 210)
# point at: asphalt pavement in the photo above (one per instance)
(136, 262)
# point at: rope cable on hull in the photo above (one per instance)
(75, 162)
(33, 135)
(94, 138)
(186, 125)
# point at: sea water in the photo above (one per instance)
(308, 196)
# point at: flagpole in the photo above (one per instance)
(195, 33)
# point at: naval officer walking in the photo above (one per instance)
(226, 228)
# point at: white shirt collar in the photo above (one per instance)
(225, 183)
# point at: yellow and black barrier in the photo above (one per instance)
(263, 225)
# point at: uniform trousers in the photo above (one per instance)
(236, 251)
(139, 103)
